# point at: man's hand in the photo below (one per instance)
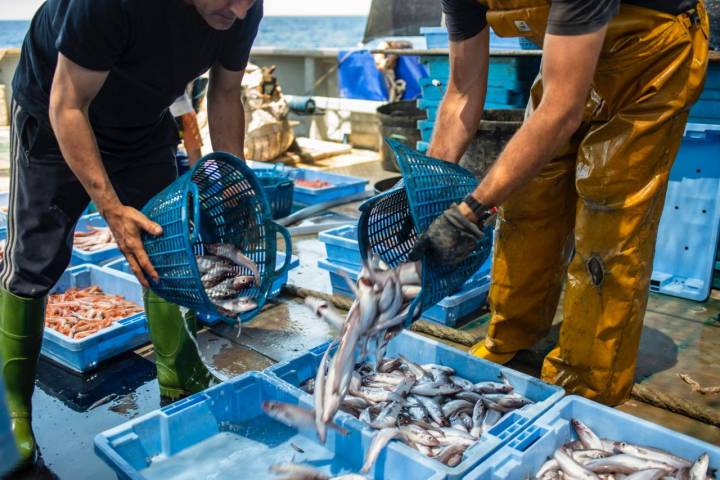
(449, 240)
(127, 224)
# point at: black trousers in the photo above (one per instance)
(46, 201)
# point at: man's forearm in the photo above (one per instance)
(226, 117)
(531, 148)
(457, 122)
(79, 148)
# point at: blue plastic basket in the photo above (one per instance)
(524, 455)
(279, 190)
(431, 186)
(449, 311)
(123, 335)
(220, 200)
(100, 256)
(688, 232)
(223, 433)
(8, 450)
(422, 350)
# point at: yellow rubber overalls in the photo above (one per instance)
(602, 195)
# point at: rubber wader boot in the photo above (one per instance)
(480, 350)
(21, 330)
(180, 369)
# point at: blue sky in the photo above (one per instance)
(24, 9)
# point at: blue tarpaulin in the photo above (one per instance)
(360, 79)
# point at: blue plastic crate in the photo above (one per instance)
(125, 334)
(448, 311)
(421, 349)
(496, 96)
(707, 108)
(524, 455)
(505, 72)
(223, 433)
(122, 265)
(80, 256)
(341, 186)
(437, 37)
(688, 232)
(8, 451)
(341, 245)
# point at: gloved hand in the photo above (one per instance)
(449, 239)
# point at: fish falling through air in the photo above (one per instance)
(429, 407)
(226, 273)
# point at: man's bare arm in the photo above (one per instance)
(568, 68)
(462, 105)
(73, 88)
(226, 114)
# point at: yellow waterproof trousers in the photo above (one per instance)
(602, 197)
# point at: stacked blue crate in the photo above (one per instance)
(344, 262)
(509, 78)
(689, 228)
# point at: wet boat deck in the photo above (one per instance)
(679, 336)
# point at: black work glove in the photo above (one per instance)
(449, 239)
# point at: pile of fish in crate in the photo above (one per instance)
(383, 403)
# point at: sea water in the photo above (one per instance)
(245, 450)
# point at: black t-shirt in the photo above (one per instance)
(152, 49)
(466, 18)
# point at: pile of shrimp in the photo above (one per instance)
(78, 313)
(95, 238)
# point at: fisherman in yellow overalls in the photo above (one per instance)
(586, 173)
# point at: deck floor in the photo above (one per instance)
(679, 337)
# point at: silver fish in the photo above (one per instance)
(215, 275)
(454, 406)
(433, 389)
(571, 468)
(419, 435)
(624, 463)
(234, 254)
(243, 281)
(700, 468)
(587, 437)
(236, 305)
(652, 454)
(294, 471)
(651, 474)
(379, 441)
(477, 418)
(294, 416)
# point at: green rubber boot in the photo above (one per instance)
(21, 329)
(180, 369)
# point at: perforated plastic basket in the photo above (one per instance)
(279, 190)
(220, 200)
(391, 222)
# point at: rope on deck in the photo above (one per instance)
(640, 392)
(675, 404)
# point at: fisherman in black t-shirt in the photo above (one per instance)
(90, 121)
(586, 173)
